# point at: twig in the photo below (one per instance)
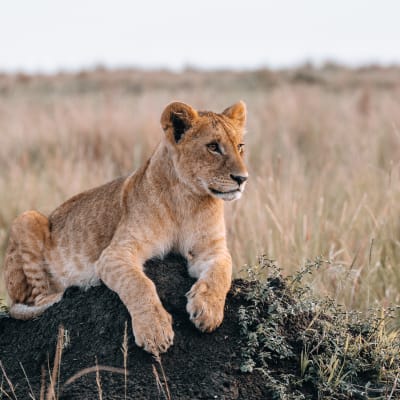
(55, 375)
(42, 383)
(125, 354)
(89, 370)
(160, 386)
(8, 381)
(394, 386)
(98, 381)
(31, 394)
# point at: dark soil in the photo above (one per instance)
(198, 366)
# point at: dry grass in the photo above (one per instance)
(53, 389)
(323, 150)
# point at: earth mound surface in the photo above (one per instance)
(92, 363)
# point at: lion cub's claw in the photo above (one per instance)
(205, 308)
(152, 329)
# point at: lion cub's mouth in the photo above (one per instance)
(217, 192)
(228, 195)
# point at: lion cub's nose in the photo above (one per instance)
(239, 178)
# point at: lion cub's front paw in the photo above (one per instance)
(205, 306)
(152, 328)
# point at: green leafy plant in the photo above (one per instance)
(325, 351)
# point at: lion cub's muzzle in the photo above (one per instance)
(230, 193)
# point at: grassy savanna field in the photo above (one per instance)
(323, 149)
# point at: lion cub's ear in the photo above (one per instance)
(176, 119)
(237, 112)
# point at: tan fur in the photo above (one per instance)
(174, 202)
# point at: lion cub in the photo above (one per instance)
(174, 202)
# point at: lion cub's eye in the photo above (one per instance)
(214, 147)
(240, 147)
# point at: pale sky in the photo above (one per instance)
(49, 35)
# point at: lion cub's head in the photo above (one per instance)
(207, 148)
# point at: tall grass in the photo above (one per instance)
(323, 148)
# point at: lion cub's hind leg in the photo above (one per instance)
(26, 277)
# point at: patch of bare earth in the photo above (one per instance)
(198, 366)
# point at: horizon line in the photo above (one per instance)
(115, 67)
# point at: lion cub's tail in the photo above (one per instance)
(23, 311)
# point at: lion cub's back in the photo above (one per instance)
(85, 224)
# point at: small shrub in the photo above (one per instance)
(312, 348)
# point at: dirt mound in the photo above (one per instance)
(198, 366)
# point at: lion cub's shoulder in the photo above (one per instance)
(101, 203)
